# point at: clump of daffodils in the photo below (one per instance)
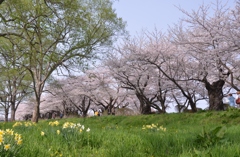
(71, 131)
(154, 127)
(10, 142)
(74, 126)
(56, 123)
(26, 124)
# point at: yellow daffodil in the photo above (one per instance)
(9, 131)
(2, 132)
(17, 124)
(42, 133)
(58, 132)
(1, 140)
(7, 146)
(19, 142)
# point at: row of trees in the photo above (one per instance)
(40, 37)
(197, 59)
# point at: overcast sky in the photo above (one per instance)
(148, 14)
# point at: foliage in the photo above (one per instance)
(207, 139)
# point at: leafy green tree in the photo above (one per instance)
(15, 80)
(57, 34)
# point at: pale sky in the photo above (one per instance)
(148, 14)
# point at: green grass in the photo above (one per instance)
(206, 134)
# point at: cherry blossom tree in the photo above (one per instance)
(144, 79)
(68, 96)
(232, 36)
(160, 53)
(94, 89)
(106, 91)
(201, 37)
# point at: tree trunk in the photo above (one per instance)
(215, 94)
(6, 114)
(144, 108)
(36, 112)
(13, 111)
(192, 105)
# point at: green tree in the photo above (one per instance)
(57, 34)
(15, 80)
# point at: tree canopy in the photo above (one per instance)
(48, 35)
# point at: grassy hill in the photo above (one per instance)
(201, 134)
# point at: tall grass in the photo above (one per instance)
(200, 134)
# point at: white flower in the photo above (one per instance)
(88, 130)
(82, 127)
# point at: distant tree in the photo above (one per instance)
(57, 34)
(105, 90)
(94, 89)
(68, 96)
(143, 79)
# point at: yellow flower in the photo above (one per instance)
(42, 133)
(2, 132)
(7, 146)
(80, 130)
(17, 124)
(19, 142)
(17, 136)
(1, 140)
(153, 125)
(9, 131)
(56, 123)
(58, 132)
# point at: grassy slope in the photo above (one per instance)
(123, 136)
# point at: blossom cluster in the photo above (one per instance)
(153, 127)
(9, 141)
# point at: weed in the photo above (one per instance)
(207, 139)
